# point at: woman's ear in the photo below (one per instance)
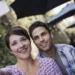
(11, 51)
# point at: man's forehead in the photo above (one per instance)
(38, 31)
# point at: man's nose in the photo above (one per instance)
(41, 38)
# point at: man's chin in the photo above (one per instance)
(44, 50)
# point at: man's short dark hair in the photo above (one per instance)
(38, 24)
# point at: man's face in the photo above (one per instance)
(42, 38)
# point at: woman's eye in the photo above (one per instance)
(23, 39)
(14, 43)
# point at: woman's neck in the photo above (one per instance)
(26, 64)
(25, 61)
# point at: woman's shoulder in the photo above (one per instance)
(45, 58)
(12, 69)
(48, 66)
(8, 68)
(46, 61)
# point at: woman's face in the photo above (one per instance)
(20, 46)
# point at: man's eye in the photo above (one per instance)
(43, 34)
(35, 38)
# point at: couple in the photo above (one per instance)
(64, 55)
(19, 44)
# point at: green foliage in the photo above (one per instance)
(5, 57)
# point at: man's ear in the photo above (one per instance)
(51, 35)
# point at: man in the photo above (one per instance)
(63, 54)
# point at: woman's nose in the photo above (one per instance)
(20, 44)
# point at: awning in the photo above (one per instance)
(67, 11)
(24, 8)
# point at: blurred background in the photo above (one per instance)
(60, 19)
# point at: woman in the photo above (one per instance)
(18, 41)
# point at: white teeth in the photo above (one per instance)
(22, 50)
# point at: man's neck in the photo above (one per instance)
(50, 53)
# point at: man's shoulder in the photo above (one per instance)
(63, 45)
(60, 47)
